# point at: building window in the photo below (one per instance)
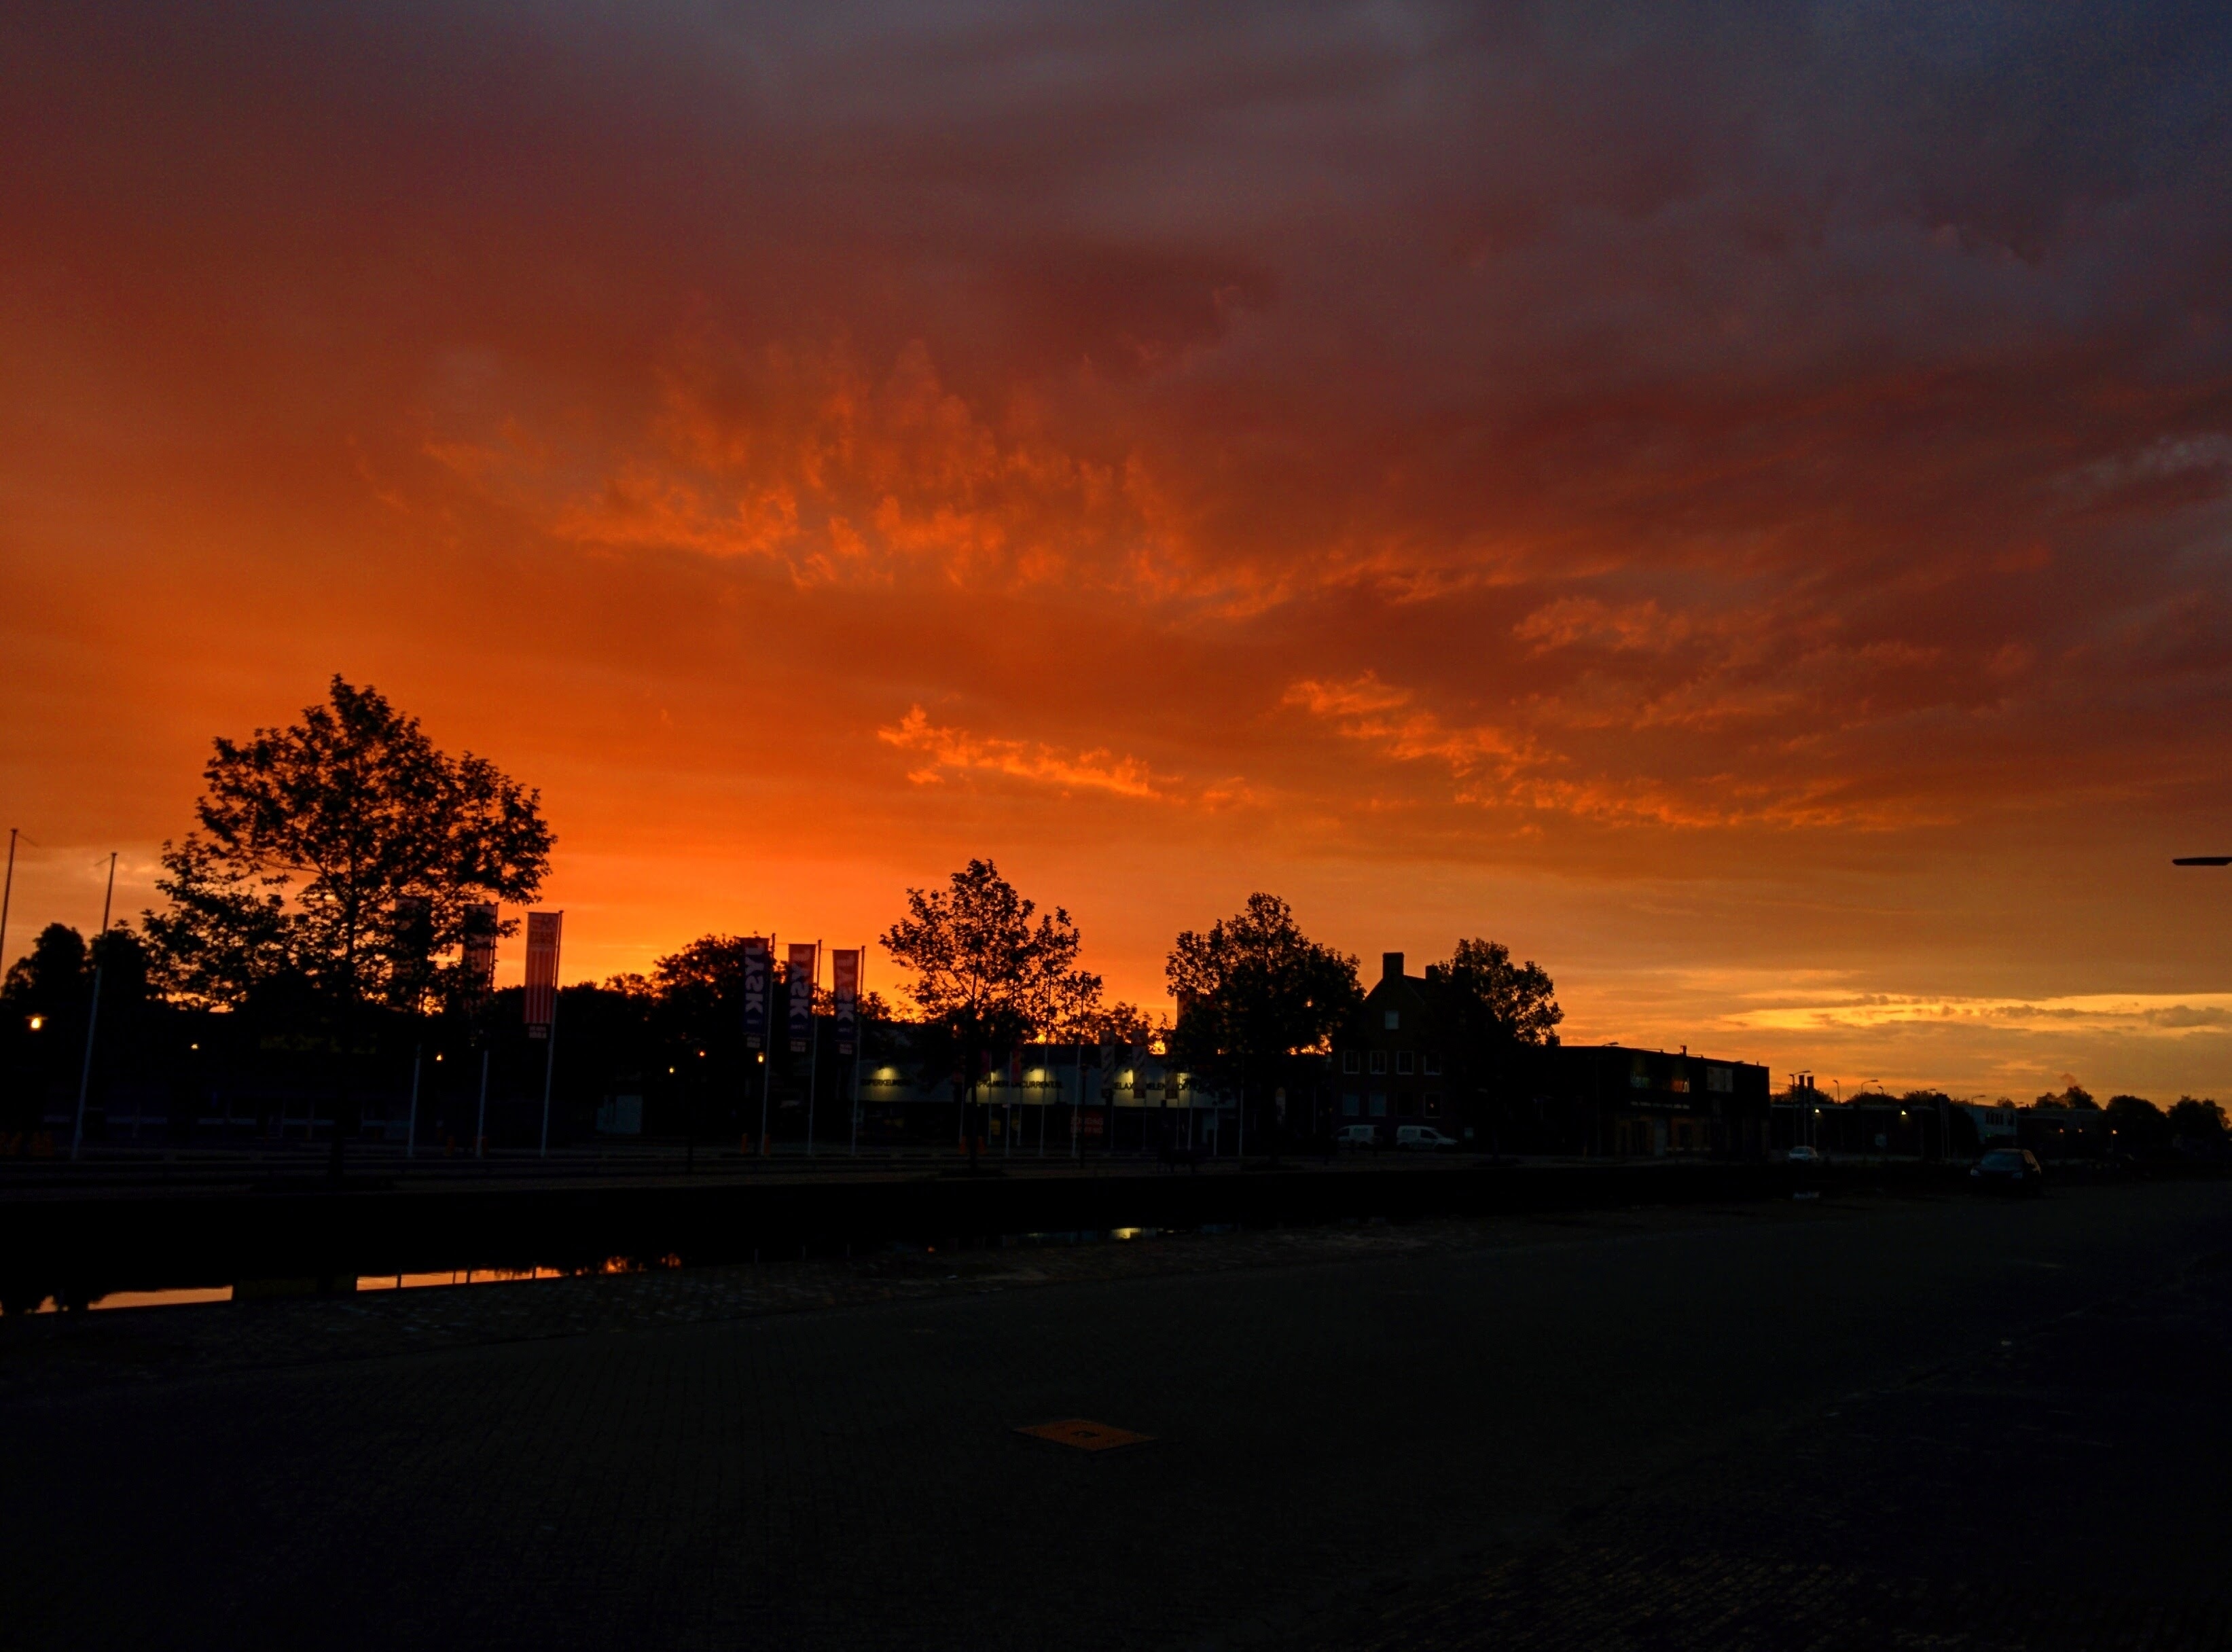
(1394, 1021)
(1349, 1104)
(1404, 1060)
(1433, 1060)
(1379, 1105)
(1379, 1062)
(1406, 1103)
(1433, 1104)
(1348, 1061)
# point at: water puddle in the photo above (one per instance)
(148, 1299)
(252, 1290)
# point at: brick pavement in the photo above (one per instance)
(1615, 1431)
(2064, 1489)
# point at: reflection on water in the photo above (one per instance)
(19, 1297)
(147, 1298)
(505, 1275)
(249, 1290)
(454, 1276)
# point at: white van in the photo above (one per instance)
(1357, 1136)
(1423, 1137)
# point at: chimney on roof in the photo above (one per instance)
(1391, 966)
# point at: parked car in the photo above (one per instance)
(1357, 1136)
(1807, 1156)
(2009, 1169)
(1423, 1137)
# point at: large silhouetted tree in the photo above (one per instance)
(986, 977)
(345, 848)
(1254, 992)
(49, 980)
(1492, 1000)
(2135, 1125)
(1492, 1007)
(2200, 1123)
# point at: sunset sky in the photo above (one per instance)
(1731, 501)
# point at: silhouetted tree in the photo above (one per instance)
(51, 979)
(1494, 1001)
(223, 937)
(1254, 992)
(345, 848)
(1492, 1009)
(2074, 1097)
(985, 976)
(2137, 1124)
(704, 978)
(2197, 1121)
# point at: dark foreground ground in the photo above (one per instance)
(1919, 1423)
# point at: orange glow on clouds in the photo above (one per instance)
(1740, 517)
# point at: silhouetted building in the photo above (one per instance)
(1396, 1061)
(1401, 1060)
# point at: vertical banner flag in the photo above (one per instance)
(758, 961)
(845, 996)
(541, 972)
(480, 952)
(805, 965)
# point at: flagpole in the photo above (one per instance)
(92, 1017)
(812, 1047)
(859, 1039)
(766, 1054)
(549, 1064)
(7, 894)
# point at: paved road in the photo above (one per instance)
(1904, 1423)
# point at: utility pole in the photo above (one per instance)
(92, 1017)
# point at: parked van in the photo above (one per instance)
(1357, 1136)
(1423, 1137)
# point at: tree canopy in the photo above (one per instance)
(2198, 1120)
(1493, 1000)
(986, 977)
(1254, 989)
(2140, 1126)
(50, 979)
(343, 849)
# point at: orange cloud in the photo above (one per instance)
(956, 749)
